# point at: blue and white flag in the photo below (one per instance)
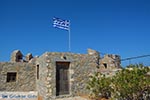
(60, 23)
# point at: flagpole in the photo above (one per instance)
(63, 24)
(69, 38)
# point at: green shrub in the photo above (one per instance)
(127, 84)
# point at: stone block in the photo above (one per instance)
(71, 80)
(71, 71)
(49, 86)
(49, 78)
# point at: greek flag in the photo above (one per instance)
(60, 23)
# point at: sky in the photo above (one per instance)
(109, 26)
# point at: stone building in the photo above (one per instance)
(110, 64)
(53, 74)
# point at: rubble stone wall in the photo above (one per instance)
(81, 67)
(39, 73)
(25, 77)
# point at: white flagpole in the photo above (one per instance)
(59, 23)
(69, 38)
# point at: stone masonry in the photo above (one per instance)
(25, 77)
(53, 75)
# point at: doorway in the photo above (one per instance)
(62, 78)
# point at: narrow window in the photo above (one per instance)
(105, 65)
(11, 77)
(19, 57)
(37, 71)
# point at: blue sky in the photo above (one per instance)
(108, 26)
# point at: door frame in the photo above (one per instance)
(57, 80)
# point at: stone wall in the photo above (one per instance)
(16, 56)
(42, 83)
(39, 73)
(110, 62)
(25, 77)
(81, 66)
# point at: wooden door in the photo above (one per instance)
(62, 78)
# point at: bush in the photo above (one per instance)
(99, 86)
(128, 84)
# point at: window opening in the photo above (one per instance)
(11, 77)
(37, 71)
(105, 65)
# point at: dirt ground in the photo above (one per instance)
(73, 98)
